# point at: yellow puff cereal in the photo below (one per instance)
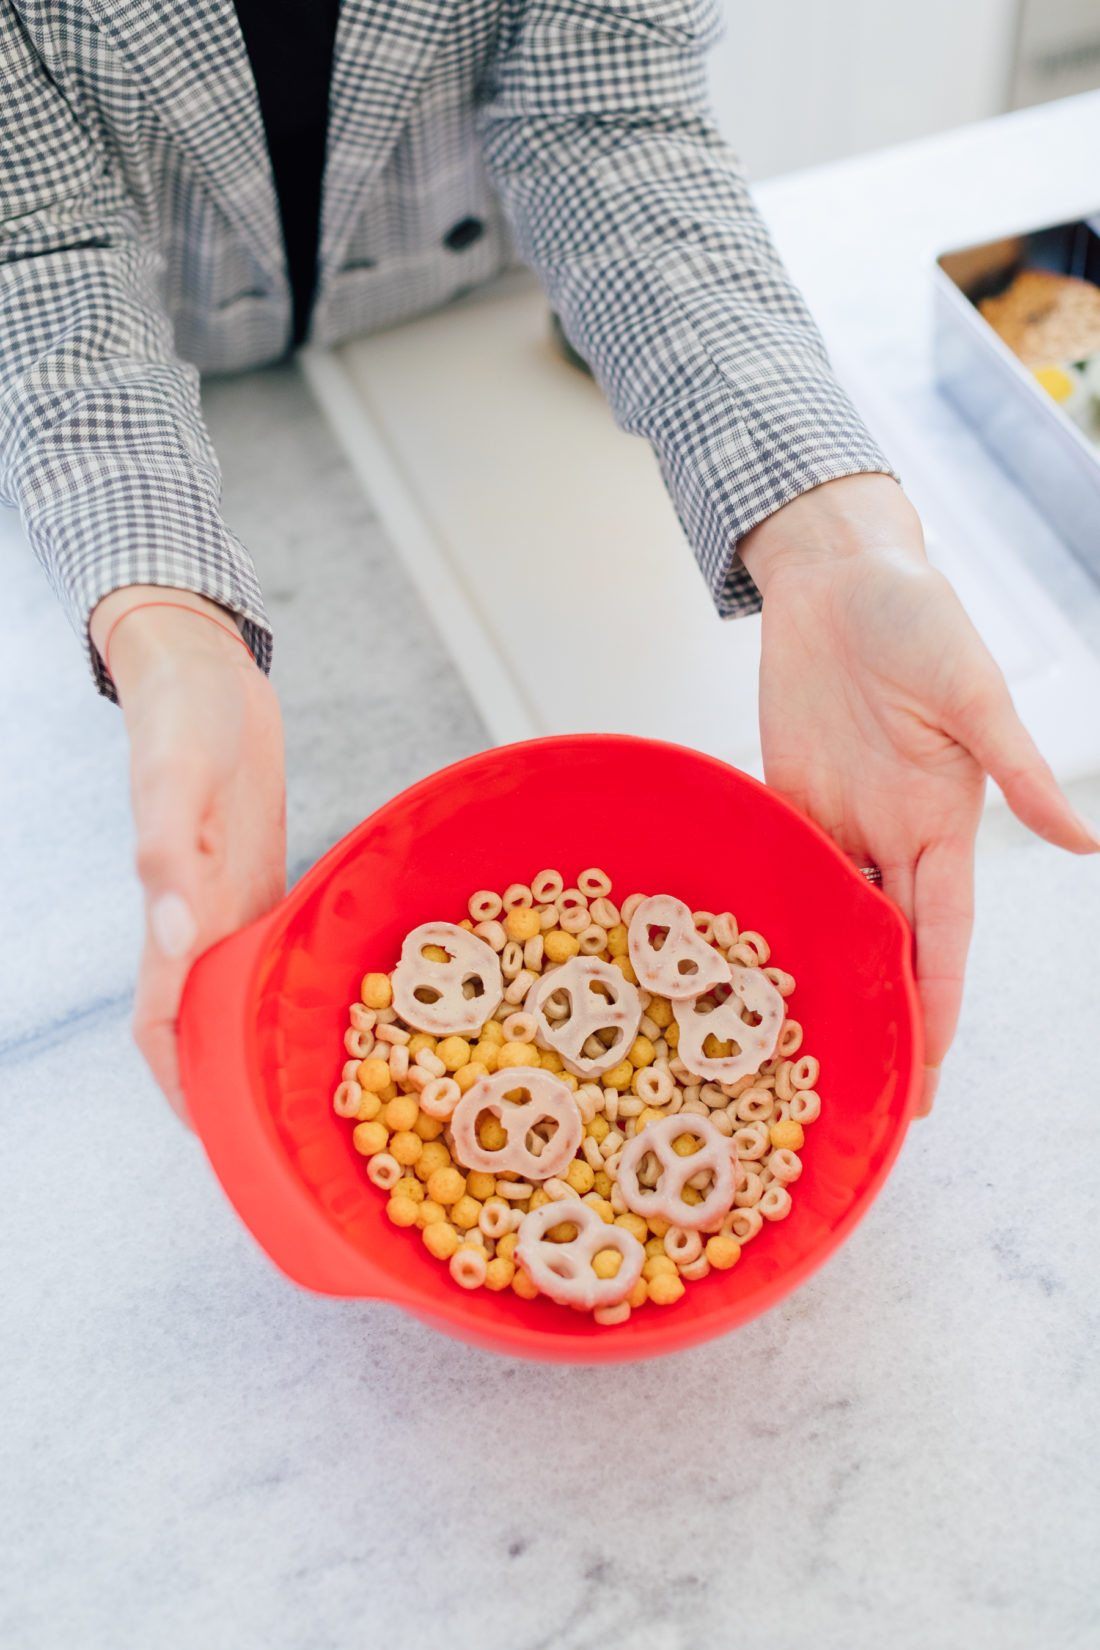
(666, 1288)
(517, 1054)
(465, 1211)
(722, 1252)
(401, 1112)
(454, 1052)
(369, 1138)
(373, 1075)
(402, 1211)
(441, 1239)
(560, 946)
(406, 1146)
(376, 990)
(499, 1272)
(466, 1076)
(522, 923)
(435, 1156)
(446, 1186)
(787, 1135)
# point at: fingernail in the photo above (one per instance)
(928, 1091)
(1090, 831)
(174, 928)
(179, 1106)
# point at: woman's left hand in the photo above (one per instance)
(881, 712)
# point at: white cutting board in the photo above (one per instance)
(545, 547)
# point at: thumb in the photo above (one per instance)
(991, 730)
(170, 944)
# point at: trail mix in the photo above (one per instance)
(572, 1098)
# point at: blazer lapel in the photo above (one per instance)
(190, 59)
(383, 50)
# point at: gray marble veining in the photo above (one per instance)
(197, 1454)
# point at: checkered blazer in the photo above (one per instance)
(140, 244)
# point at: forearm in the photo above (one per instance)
(637, 218)
(102, 445)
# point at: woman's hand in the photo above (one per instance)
(208, 794)
(881, 711)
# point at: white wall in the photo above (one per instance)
(801, 81)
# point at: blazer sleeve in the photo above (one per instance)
(636, 217)
(103, 449)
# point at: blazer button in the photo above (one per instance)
(464, 234)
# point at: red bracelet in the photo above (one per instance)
(181, 606)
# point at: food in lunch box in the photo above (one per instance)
(1043, 317)
(1075, 385)
(568, 1098)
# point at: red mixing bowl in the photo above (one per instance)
(264, 1014)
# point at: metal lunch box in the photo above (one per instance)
(1036, 441)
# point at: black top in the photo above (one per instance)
(289, 44)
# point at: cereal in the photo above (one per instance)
(665, 1289)
(787, 1135)
(376, 991)
(402, 1211)
(484, 906)
(441, 1239)
(549, 1092)
(522, 923)
(594, 884)
(369, 1138)
(493, 934)
(447, 1185)
(406, 1146)
(495, 1219)
(546, 886)
(499, 1272)
(400, 1112)
(440, 1096)
(722, 1251)
(347, 1099)
(775, 1203)
(681, 1245)
(384, 1171)
(560, 946)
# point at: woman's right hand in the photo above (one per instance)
(207, 789)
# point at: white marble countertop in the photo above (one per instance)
(197, 1454)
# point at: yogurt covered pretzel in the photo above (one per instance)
(685, 965)
(599, 998)
(429, 994)
(548, 1100)
(716, 1154)
(564, 1270)
(751, 991)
